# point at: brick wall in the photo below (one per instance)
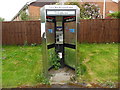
(111, 6)
(34, 12)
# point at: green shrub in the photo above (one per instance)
(115, 15)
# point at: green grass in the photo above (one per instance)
(101, 62)
(22, 65)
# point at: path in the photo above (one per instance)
(61, 76)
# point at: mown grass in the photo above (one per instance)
(100, 61)
(22, 65)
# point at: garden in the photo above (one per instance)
(22, 65)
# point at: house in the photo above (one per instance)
(32, 9)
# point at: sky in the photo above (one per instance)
(9, 8)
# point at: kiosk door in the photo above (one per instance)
(61, 31)
(50, 40)
(70, 39)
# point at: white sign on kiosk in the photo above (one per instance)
(60, 12)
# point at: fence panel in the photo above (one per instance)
(20, 32)
(92, 31)
(99, 30)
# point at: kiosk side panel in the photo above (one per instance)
(70, 40)
(50, 34)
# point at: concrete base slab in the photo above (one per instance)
(61, 76)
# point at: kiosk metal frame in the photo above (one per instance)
(59, 35)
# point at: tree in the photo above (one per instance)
(1, 19)
(72, 3)
(24, 16)
(115, 15)
(87, 10)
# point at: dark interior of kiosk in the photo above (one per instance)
(59, 43)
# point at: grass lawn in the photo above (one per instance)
(22, 65)
(100, 62)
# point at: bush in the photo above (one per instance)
(115, 15)
(89, 11)
(2, 19)
(24, 16)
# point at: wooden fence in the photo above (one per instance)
(99, 30)
(20, 32)
(95, 30)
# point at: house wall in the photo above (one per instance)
(111, 6)
(34, 12)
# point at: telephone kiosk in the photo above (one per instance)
(59, 35)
